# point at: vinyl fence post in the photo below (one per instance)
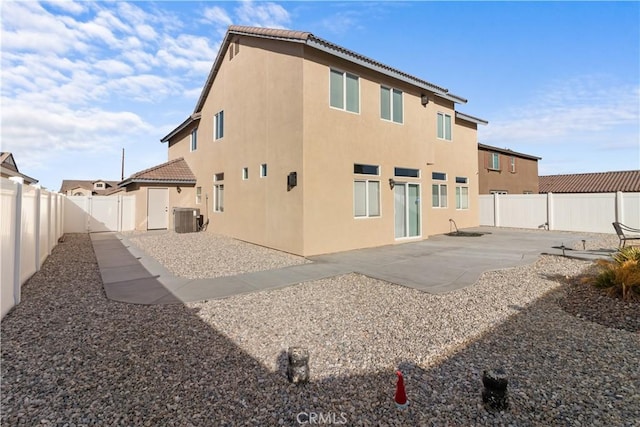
(619, 213)
(36, 222)
(18, 239)
(496, 210)
(550, 212)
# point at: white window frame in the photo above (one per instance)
(512, 164)
(441, 118)
(459, 190)
(498, 192)
(367, 198)
(442, 195)
(494, 161)
(263, 170)
(344, 90)
(245, 173)
(198, 195)
(391, 104)
(193, 141)
(218, 125)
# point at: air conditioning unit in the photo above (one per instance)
(185, 220)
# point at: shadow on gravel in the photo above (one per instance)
(69, 355)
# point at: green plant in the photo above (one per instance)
(621, 277)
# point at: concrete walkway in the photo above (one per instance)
(437, 265)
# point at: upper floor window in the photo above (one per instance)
(198, 195)
(344, 91)
(263, 170)
(194, 140)
(99, 185)
(444, 126)
(494, 161)
(512, 164)
(245, 173)
(391, 104)
(218, 126)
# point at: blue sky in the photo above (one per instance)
(83, 80)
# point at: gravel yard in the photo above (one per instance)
(72, 357)
(205, 255)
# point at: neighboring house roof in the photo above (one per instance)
(9, 168)
(598, 182)
(320, 44)
(73, 184)
(176, 171)
(484, 147)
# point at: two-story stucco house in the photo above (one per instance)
(307, 147)
(505, 171)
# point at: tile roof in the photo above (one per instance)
(175, 171)
(599, 182)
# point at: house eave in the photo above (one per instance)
(127, 182)
(471, 119)
(182, 126)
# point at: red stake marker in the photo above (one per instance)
(401, 394)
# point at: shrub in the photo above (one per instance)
(621, 277)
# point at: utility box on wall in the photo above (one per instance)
(185, 220)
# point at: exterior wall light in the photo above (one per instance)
(392, 183)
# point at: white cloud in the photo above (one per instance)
(217, 15)
(585, 106)
(262, 14)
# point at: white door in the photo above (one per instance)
(157, 208)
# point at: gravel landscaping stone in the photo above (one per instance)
(72, 357)
(206, 255)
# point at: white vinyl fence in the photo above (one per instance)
(31, 226)
(99, 213)
(584, 212)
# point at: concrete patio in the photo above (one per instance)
(437, 265)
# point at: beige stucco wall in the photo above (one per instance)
(276, 107)
(524, 179)
(260, 93)
(335, 140)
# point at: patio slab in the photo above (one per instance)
(437, 265)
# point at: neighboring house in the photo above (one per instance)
(8, 169)
(307, 147)
(74, 187)
(597, 182)
(155, 187)
(504, 171)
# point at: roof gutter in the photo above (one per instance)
(471, 119)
